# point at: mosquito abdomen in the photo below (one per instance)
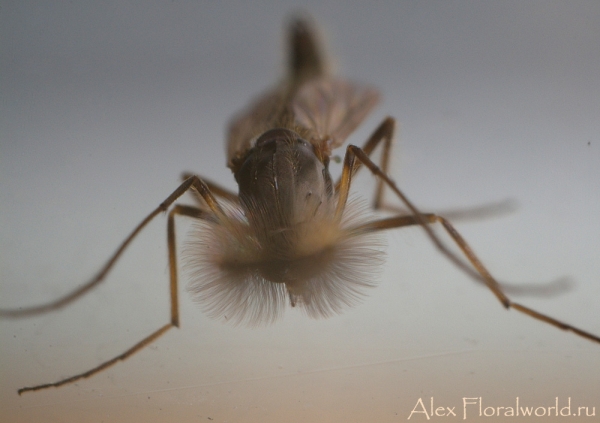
(305, 61)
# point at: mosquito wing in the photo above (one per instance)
(333, 108)
(250, 123)
(329, 109)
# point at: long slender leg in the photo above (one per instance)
(215, 213)
(480, 212)
(215, 188)
(193, 181)
(424, 220)
(176, 210)
(384, 132)
(149, 339)
(545, 289)
(83, 289)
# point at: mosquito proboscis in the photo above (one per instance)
(290, 235)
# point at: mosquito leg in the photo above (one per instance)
(353, 152)
(480, 212)
(176, 210)
(509, 304)
(214, 212)
(105, 365)
(424, 220)
(180, 210)
(192, 182)
(385, 133)
(83, 289)
(215, 188)
(547, 289)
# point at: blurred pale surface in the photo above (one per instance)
(104, 107)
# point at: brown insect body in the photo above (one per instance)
(284, 237)
(290, 234)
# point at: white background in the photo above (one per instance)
(103, 105)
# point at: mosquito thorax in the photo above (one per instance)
(282, 184)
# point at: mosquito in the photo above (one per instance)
(290, 235)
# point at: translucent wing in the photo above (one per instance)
(305, 63)
(251, 122)
(333, 108)
(329, 109)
